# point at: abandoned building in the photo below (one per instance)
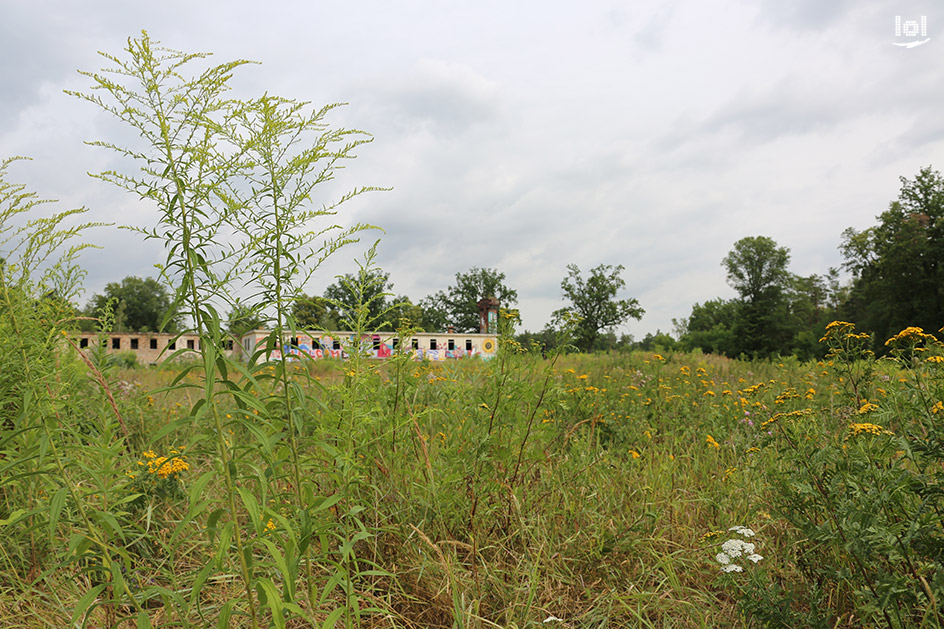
(150, 348)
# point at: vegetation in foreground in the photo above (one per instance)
(600, 490)
(633, 489)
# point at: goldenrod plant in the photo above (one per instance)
(234, 182)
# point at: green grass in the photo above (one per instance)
(587, 500)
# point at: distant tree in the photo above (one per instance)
(459, 305)
(813, 303)
(898, 264)
(242, 319)
(369, 287)
(141, 305)
(314, 313)
(435, 315)
(709, 328)
(594, 301)
(658, 342)
(403, 312)
(757, 270)
(543, 341)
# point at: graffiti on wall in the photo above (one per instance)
(372, 346)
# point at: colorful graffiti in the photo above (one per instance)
(372, 346)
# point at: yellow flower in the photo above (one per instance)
(868, 407)
(911, 335)
(711, 442)
(937, 408)
(709, 536)
(634, 454)
(872, 429)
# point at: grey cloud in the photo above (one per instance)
(806, 15)
(438, 97)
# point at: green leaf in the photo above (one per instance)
(84, 603)
(269, 597)
(332, 620)
(225, 613)
(55, 508)
(143, 621)
(14, 517)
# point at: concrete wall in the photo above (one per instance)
(149, 348)
(432, 346)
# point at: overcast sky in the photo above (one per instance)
(525, 136)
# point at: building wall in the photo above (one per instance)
(431, 346)
(149, 348)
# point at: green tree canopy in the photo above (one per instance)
(242, 319)
(594, 301)
(141, 305)
(757, 270)
(459, 305)
(710, 327)
(898, 265)
(314, 313)
(367, 287)
(403, 312)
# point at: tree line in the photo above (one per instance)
(145, 305)
(896, 270)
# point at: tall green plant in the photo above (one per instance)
(234, 183)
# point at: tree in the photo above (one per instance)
(242, 319)
(403, 312)
(813, 303)
(314, 313)
(140, 305)
(594, 302)
(658, 342)
(757, 270)
(459, 306)
(710, 327)
(898, 265)
(369, 287)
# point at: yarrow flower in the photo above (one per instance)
(735, 549)
(742, 530)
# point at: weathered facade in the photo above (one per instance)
(149, 348)
(422, 345)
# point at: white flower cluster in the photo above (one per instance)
(734, 549)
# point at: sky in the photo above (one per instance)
(526, 136)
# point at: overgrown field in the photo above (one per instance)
(624, 490)
(573, 491)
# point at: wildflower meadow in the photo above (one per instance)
(538, 488)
